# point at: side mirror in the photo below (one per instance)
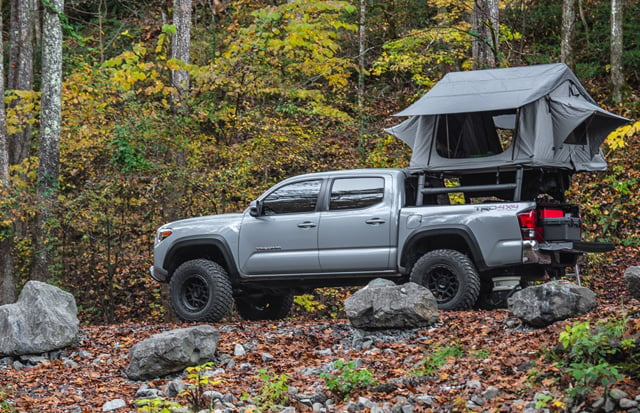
(255, 208)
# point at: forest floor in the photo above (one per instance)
(493, 349)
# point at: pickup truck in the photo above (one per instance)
(472, 239)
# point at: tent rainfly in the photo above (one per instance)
(531, 116)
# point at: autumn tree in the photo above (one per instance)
(486, 31)
(20, 73)
(7, 277)
(49, 154)
(617, 73)
(568, 32)
(180, 49)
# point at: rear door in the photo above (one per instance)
(284, 240)
(355, 231)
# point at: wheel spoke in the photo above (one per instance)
(196, 294)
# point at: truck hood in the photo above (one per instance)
(220, 219)
(203, 226)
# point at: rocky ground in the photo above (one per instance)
(483, 361)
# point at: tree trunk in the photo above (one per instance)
(568, 32)
(486, 29)
(50, 117)
(20, 76)
(362, 45)
(180, 49)
(7, 276)
(617, 73)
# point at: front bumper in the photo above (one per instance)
(158, 274)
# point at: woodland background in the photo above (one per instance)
(175, 109)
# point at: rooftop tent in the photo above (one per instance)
(531, 116)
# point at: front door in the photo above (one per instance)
(284, 239)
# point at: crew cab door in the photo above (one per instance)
(284, 238)
(355, 230)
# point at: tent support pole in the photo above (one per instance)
(517, 193)
(420, 196)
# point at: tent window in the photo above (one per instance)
(578, 136)
(474, 135)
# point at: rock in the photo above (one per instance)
(617, 394)
(632, 278)
(239, 351)
(627, 404)
(491, 392)
(113, 405)
(174, 388)
(44, 319)
(383, 304)
(542, 305)
(172, 351)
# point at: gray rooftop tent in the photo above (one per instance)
(520, 117)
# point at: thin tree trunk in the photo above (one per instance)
(486, 29)
(50, 118)
(20, 76)
(362, 44)
(568, 32)
(617, 72)
(7, 276)
(181, 49)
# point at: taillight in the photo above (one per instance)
(529, 225)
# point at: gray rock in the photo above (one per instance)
(617, 394)
(212, 395)
(627, 404)
(632, 278)
(174, 388)
(542, 305)
(491, 392)
(172, 351)
(147, 392)
(113, 405)
(239, 351)
(44, 319)
(383, 304)
(267, 357)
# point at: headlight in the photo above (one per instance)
(163, 233)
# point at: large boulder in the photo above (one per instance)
(632, 278)
(542, 305)
(383, 304)
(172, 351)
(44, 319)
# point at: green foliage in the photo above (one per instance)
(274, 392)
(438, 357)
(589, 350)
(308, 303)
(156, 405)
(197, 382)
(6, 406)
(347, 378)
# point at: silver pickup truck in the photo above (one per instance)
(346, 227)
(479, 213)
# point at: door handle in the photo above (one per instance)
(375, 221)
(307, 224)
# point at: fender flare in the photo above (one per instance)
(215, 242)
(460, 231)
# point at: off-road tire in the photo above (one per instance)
(264, 307)
(200, 290)
(451, 277)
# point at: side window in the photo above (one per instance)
(292, 198)
(352, 193)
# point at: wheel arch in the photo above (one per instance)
(213, 249)
(460, 239)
